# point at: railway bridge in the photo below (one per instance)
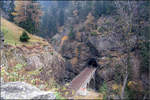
(80, 83)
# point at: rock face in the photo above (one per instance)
(21, 90)
(107, 42)
(42, 57)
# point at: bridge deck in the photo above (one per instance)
(77, 82)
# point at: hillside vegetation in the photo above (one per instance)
(12, 34)
(66, 37)
(31, 62)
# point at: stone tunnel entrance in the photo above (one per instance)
(92, 62)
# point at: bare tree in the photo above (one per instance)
(126, 11)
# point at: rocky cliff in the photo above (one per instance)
(34, 62)
(35, 57)
(107, 43)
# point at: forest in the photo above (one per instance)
(53, 42)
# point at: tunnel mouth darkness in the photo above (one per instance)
(92, 62)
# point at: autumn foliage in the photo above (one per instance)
(27, 15)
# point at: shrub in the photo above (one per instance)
(72, 33)
(93, 33)
(104, 90)
(102, 29)
(24, 37)
(118, 74)
(144, 53)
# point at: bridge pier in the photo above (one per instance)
(83, 91)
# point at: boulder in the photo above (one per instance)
(21, 90)
(2, 81)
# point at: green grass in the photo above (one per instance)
(9, 37)
(12, 34)
(58, 96)
(93, 33)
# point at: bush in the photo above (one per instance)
(104, 90)
(72, 33)
(93, 33)
(102, 29)
(145, 54)
(24, 37)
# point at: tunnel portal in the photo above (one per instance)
(92, 62)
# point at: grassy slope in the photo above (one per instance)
(17, 73)
(12, 34)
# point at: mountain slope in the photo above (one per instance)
(12, 34)
(34, 62)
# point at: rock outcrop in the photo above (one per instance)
(42, 57)
(21, 90)
(105, 43)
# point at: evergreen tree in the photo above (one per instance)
(12, 6)
(8, 8)
(103, 8)
(61, 17)
(27, 15)
(24, 37)
(2, 5)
